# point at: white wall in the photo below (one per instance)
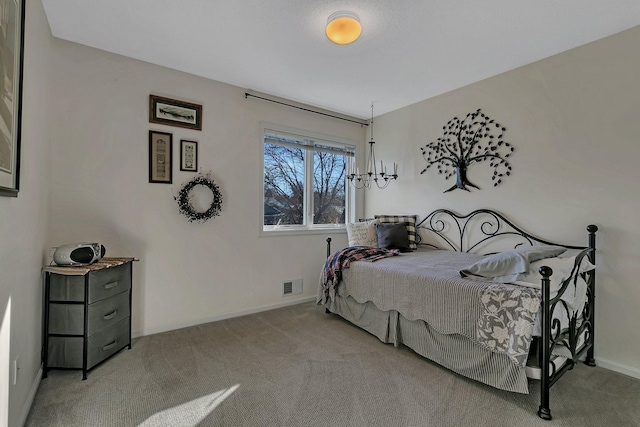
(24, 223)
(188, 273)
(573, 120)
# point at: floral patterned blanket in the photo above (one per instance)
(425, 285)
(507, 320)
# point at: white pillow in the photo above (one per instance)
(363, 233)
(505, 267)
(561, 271)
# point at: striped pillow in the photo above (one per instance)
(410, 221)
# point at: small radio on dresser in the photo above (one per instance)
(78, 253)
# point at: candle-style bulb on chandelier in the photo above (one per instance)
(371, 176)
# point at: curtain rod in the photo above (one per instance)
(247, 94)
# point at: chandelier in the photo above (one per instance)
(371, 176)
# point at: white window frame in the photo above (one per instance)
(308, 227)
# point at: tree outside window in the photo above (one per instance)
(304, 181)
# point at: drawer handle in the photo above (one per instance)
(110, 285)
(109, 346)
(110, 315)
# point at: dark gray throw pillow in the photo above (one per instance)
(393, 236)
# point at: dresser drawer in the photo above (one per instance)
(66, 352)
(102, 284)
(66, 288)
(107, 312)
(108, 282)
(68, 319)
(108, 341)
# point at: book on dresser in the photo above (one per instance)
(87, 313)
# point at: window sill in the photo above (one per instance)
(285, 231)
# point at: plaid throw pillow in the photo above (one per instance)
(410, 221)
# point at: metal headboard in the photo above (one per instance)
(474, 232)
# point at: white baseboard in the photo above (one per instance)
(24, 413)
(617, 367)
(165, 328)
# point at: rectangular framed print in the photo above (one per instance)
(172, 112)
(160, 164)
(11, 61)
(188, 155)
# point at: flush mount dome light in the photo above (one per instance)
(343, 27)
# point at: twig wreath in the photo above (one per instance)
(185, 199)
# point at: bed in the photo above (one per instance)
(494, 328)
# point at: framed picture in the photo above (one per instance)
(160, 164)
(188, 155)
(11, 62)
(175, 113)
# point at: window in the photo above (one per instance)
(304, 185)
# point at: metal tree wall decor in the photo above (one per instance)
(474, 139)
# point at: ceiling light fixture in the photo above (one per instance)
(343, 27)
(371, 176)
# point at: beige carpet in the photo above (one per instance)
(297, 366)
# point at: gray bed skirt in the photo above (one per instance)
(454, 352)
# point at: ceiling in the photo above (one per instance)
(409, 50)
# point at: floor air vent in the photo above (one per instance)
(292, 287)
